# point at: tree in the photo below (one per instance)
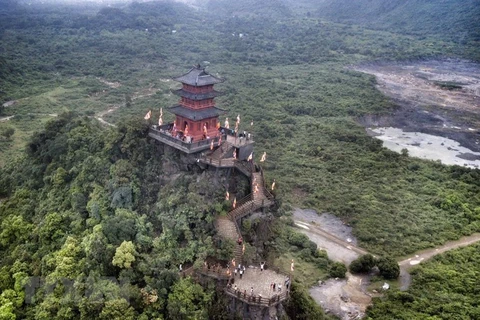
(188, 301)
(363, 264)
(337, 270)
(124, 255)
(389, 268)
(301, 305)
(117, 309)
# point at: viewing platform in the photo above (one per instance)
(261, 282)
(178, 141)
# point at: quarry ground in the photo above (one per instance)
(438, 97)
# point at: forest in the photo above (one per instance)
(89, 208)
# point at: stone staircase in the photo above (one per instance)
(260, 197)
(228, 229)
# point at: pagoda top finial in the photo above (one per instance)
(197, 76)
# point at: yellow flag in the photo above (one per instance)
(148, 115)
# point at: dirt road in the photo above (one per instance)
(411, 261)
(345, 298)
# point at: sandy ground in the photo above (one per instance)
(345, 298)
(423, 105)
(427, 146)
(6, 118)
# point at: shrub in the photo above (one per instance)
(363, 264)
(337, 270)
(389, 268)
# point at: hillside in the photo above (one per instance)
(72, 191)
(457, 20)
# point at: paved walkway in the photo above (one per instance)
(260, 281)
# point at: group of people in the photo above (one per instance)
(239, 270)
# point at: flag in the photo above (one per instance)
(273, 184)
(227, 125)
(186, 130)
(218, 124)
(236, 127)
(235, 154)
(227, 196)
(211, 145)
(251, 123)
(250, 157)
(160, 120)
(238, 119)
(264, 157)
(220, 141)
(234, 202)
(292, 266)
(174, 127)
(205, 129)
(148, 115)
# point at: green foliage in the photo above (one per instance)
(61, 224)
(444, 287)
(337, 270)
(7, 132)
(124, 255)
(188, 301)
(389, 268)
(81, 189)
(411, 16)
(118, 309)
(301, 305)
(363, 264)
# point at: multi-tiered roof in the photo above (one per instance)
(196, 108)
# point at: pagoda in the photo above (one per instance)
(196, 116)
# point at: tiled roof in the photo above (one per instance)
(196, 96)
(197, 76)
(196, 115)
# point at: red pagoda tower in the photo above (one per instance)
(196, 116)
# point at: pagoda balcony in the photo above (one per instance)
(163, 134)
(237, 140)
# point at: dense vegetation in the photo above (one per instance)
(81, 196)
(418, 17)
(444, 288)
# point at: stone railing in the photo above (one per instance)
(163, 134)
(256, 299)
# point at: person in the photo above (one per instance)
(235, 272)
(274, 286)
(241, 273)
(235, 288)
(240, 240)
(251, 291)
(279, 287)
(262, 265)
(180, 267)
